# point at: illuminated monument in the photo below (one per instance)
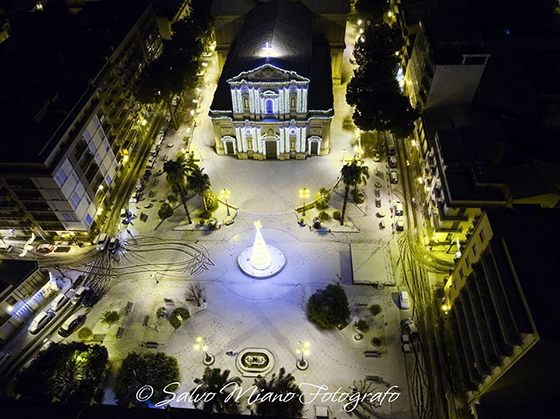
(261, 260)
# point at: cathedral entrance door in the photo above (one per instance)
(229, 148)
(271, 149)
(314, 148)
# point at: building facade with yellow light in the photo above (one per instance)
(274, 99)
(70, 128)
(501, 323)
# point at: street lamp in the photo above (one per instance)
(200, 346)
(303, 349)
(343, 153)
(154, 276)
(224, 194)
(304, 194)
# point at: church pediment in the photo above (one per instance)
(267, 73)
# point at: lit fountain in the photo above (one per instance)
(261, 260)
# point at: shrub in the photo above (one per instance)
(161, 312)
(85, 333)
(178, 316)
(110, 317)
(328, 307)
(317, 225)
(362, 326)
(358, 197)
(337, 215)
(323, 216)
(302, 220)
(212, 202)
(375, 309)
(172, 198)
(322, 199)
(165, 211)
(376, 341)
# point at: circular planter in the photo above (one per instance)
(358, 336)
(302, 366)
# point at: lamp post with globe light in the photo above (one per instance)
(304, 194)
(200, 346)
(224, 194)
(303, 349)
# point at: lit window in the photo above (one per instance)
(87, 135)
(88, 220)
(108, 179)
(67, 217)
(96, 122)
(75, 200)
(269, 106)
(61, 177)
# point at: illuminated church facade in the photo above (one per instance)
(274, 99)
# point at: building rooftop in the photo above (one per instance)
(14, 272)
(532, 235)
(242, 7)
(533, 179)
(288, 28)
(48, 69)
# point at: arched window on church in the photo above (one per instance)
(292, 102)
(269, 106)
(245, 103)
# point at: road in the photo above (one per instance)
(428, 380)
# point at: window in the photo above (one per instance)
(96, 122)
(293, 102)
(87, 136)
(269, 106)
(468, 261)
(475, 249)
(245, 103)
(88, 220)
(75, 200)
(455, 284)
(11, 301)
(482, 235)
(461, 273)
(61, 177)
(67, 217)
(108, 179)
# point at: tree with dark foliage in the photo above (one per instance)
(329, 307)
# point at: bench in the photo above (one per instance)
(120, 332)
(372, 354)
(375, 378)
(128, 307)
(146, 320)
(152, 345)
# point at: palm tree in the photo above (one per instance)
(199, 182)
(213, 381)
(352, 174)
(177, 171)
(281, 384)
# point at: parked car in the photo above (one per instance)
(382, 225)
(90, 299)
(399, 210)
(377, 193)
(139, 185)
(6, 248)
(101, 242)
(392, 161)
(399, 225)
(404, 300)
(380, 214)
(407, 348)
(378, 202)
(393, 177)
(405, 338)
(82, 293)
(113, 245)
(40, 321)
(45, 248)
(59, 302)
(71, 324)
(409, 325)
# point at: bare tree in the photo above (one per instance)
(196, 292)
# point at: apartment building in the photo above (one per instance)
(502, 318)
(68, 118)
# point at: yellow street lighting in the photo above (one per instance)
(304, 194)
(125, 158)
(390, 14)
(445, 308)
(224, 194)
(360, 21)
(200, 346)
(192, 112)
(420, 180)
(100, 187)
(100, 211)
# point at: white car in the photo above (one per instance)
(40, 321)
(404, 300)
(6, 248)
(71, 324)
(59, 302)
(102, 241)
(400, 225)
(393, 177)
(399, 210)
(409, 325)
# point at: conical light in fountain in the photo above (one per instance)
(260, 259)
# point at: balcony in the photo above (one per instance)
(444, 216)
(473, 373)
